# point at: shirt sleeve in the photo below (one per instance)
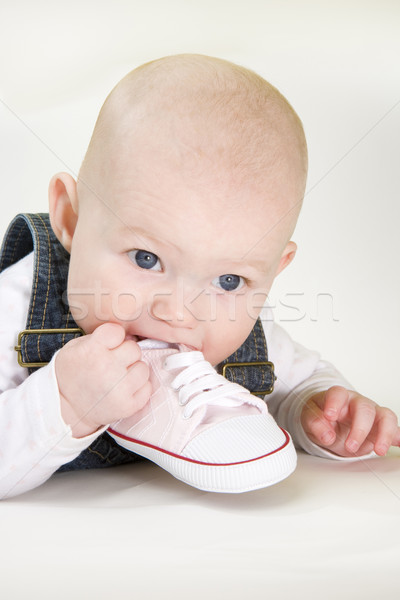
(34, 440)
(301, 373)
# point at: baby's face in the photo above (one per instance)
(176, 258)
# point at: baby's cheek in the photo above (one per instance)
(242, 309)
(125, 306)
(255, 300)
(225, 339)
(79, 306)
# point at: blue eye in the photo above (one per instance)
(145, 259)
(229, 283)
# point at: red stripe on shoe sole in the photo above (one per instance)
(139, 442)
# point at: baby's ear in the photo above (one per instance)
(287, 256)
(63, 207)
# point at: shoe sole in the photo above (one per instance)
(231, 478)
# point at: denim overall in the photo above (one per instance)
(50, 326)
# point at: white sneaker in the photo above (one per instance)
(206, 431)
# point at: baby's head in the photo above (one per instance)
(185, 204)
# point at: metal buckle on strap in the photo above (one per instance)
(253, 364)
(70, 330)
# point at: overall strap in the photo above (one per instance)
(249, 365)
(49, 324)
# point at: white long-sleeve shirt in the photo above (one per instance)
(35, 441)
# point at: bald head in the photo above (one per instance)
(210, 116)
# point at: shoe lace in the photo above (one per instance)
(198, 384)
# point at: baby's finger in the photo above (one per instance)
(128, 353)
(110, 335)
(335, 401)
(142, 396)
(388, 431)
(316, 426)
(363, 415)
(136, 379)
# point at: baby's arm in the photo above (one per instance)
(34, 440)
(348, 423)
(35, 433)
(58, 411)
(307, 386)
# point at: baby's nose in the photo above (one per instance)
(178, 310)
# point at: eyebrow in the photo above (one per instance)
(139, 232)
(259, 265)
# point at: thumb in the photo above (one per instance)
(109, 335)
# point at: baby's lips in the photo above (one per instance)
(135, 338)
(139, 338)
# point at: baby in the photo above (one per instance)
(179, 221)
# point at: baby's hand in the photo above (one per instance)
(101, 379)
(349, 424)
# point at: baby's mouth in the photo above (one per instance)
(135, 338)
(139, 338)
